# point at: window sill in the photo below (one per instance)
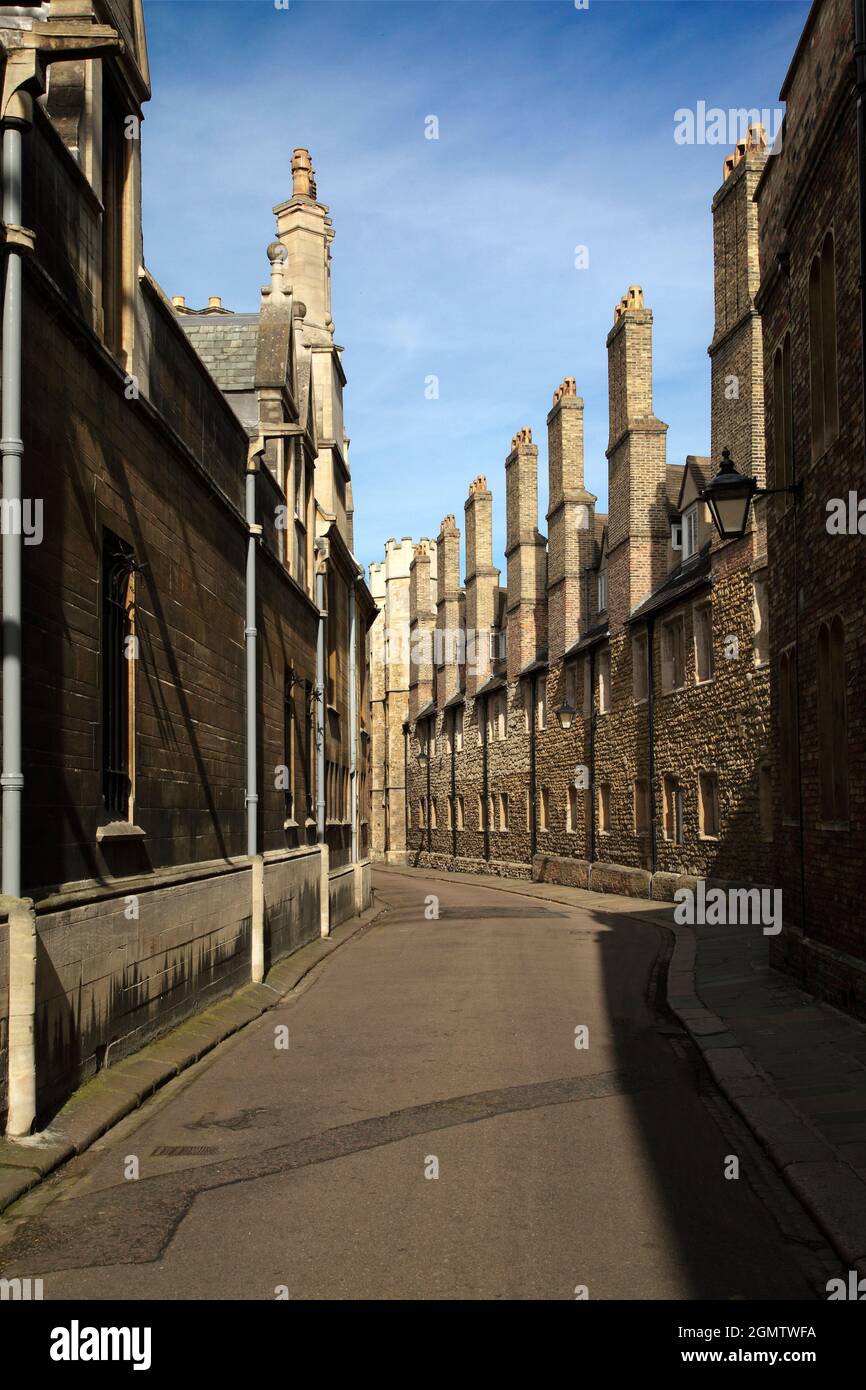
(711, 839)
(707, 680)
(119, 830)
(841, 825)
(640, 700)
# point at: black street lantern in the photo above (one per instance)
(565, 714)
(423, 759)
(729, 495)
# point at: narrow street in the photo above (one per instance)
(446, 1041)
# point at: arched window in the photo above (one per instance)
(788, 735)
(783, 463)
(823, 391)
(832, 722)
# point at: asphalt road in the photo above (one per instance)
(421, 1046)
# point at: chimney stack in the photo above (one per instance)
(570, 521)
(638, 522)
(422, 622)
(448, 656)
(482, 583)
(526, 553)
(736, 352)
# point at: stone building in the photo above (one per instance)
(159, 494)
(813, 310)
(638, 630)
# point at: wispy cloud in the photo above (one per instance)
(455, 256)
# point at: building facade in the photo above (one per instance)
(603, 717)
(193, 630)
(811, 213)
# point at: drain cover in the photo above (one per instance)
(181, 1150)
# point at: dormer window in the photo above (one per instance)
(690, 532)
(602, 591)
(676, 535)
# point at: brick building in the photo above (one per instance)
(646, 632)
(157, 488)
(811, 300)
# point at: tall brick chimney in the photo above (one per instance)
(736, 352)
(570, 521)
(422, 623)
(482, 583)
(448, 653)
(638, 522)
(526, 553)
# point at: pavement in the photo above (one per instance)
(411, 1116)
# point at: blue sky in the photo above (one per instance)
(455, 257)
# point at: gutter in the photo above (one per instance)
(860, 71)
(651, 759)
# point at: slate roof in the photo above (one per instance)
(226, 344)
(693, 573)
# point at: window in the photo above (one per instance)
(673, 810)
(431, 741)
(119, 652)
(604, 681)
(673, 654)
(676, 535)
(308, 747)
(528, 801)
(491, 812)
(433, 813)
(497, 646)
(604, 808)
(501, 715)
(331, 634)
(446, 738)
(449, 813)
(289, 738)
(690, 532)
(541, 701)
(503, 811)
(824, 398)
(422, 813)
(639, 674)
(703, 629)
(789, 754)
(544, 809)
(832, 722)
(482, 818)
(458, 811)
(587, 687)
(115, 250)
(640, 805)
(765, 801)
(783, 433)
(708, 805)
(602, 591)
(571, 812)
(300, 509)
(761, 643)
(458, 731)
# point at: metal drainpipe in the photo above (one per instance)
(250, 638)
(592, 755)
(320, 709)
(485, 818)
(533, 790)
(454, 714)
(12, 778)
(353, 724)
(431, 725)
(651, 761)
(860, 69)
